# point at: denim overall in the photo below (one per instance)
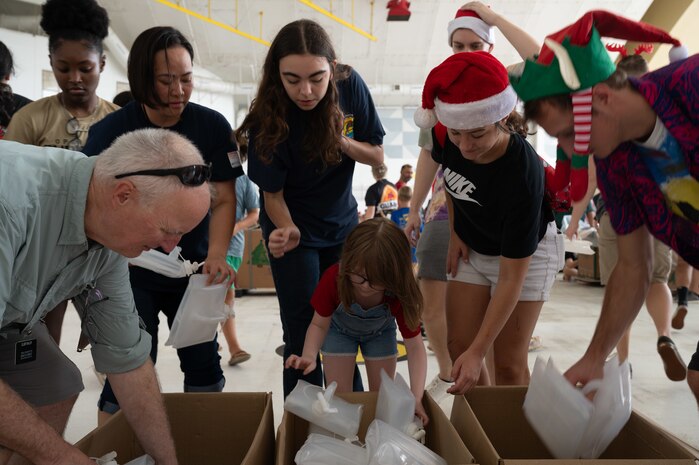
(373, 329)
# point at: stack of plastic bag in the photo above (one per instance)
(388, 446)
(201, 310)
(322, 450)
(568, 423)
(396, 407)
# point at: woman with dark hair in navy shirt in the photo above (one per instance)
(311, 121)
(161, 80)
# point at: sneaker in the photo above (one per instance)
(535, 343)
(437, 389)
(678, 317)
(675, 369)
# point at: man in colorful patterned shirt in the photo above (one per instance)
(644, 134)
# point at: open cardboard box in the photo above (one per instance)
(441, 437)
(208, 428)
(491, 422)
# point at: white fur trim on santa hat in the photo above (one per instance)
(424, 118)
(476, 114)
(678, 52)
(477, 25)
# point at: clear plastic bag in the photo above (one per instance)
(396, 405)
(169, 265)
(142, 460)
(556, 410)
(199, 314)
(322, 450)
(316, 406)
(612, 408)
(568, 423)
(388, 446)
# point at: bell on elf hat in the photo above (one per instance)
(469, 19)
(467, 91)
(573, 60)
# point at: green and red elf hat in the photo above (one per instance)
(572, 61)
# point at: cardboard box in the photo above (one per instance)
(441, 437)
(208, 428)
(254, 272)
(588, 266)
(491, 422)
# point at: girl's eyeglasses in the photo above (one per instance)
(193, 175)
(356, 278)
(73, 129)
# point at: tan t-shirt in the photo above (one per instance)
(43, 123)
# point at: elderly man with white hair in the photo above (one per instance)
(66, 223)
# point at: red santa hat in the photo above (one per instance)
(466, 91)
(469, 19)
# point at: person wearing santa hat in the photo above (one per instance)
(472, 29)
(644, 134)
(504, 248)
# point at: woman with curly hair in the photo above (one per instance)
(76, 29)
(311, 121)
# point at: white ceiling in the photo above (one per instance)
(403, 53)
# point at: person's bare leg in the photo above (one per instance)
(511, 347)
(339, 368)
(659, 305)
(229, 332)
(373, 371)
(464, 321)
(622, 348)
(56, 415)
(434, 319)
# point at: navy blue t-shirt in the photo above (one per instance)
(499, 207)
(320, 200)
(209, 131)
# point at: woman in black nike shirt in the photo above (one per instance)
(504, 250)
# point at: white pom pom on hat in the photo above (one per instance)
(425, 118)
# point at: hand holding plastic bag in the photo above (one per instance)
(569, 424)
(396, 406)
(612, 408)
(201, 310)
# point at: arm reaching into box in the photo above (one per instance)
(315, 335)
(22, 430)
(623, 298)
(140, 399)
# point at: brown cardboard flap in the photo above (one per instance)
(212, 428)
(441, 437)
(492, 424)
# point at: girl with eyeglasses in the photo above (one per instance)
(358, 304)
(161, 78)
(76, 29)
(311, 121)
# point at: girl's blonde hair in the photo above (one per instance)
(379, 250)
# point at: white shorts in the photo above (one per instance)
(483, 270)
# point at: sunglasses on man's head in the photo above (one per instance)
(193, 175)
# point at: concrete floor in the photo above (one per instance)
(565, 325)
